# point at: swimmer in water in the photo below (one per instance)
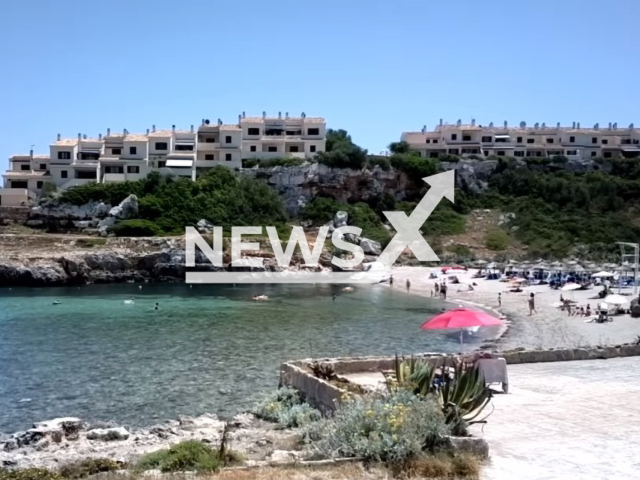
(157, 307)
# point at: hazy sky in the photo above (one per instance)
(375, 68)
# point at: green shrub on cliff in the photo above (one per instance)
(168, 205)
(136, 228)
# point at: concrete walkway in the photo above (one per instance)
(567, 420)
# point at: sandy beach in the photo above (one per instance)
(548, 328)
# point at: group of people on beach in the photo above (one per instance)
(440, 290)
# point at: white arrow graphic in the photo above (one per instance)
(408, 228)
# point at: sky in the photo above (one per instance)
(374, 68)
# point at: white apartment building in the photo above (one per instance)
(540, 140)
(122, 156)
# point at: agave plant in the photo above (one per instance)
(463, 398)
(414, 375)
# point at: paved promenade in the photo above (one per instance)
(567, 420)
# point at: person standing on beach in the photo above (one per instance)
(532, 305)
(437, 289)
(408, 285)
(391, 280)
(443, 291)
(499, 299)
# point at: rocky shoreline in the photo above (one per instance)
(61, 441)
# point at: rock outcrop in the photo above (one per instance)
(66, 440)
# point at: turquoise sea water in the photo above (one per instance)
(207, 349)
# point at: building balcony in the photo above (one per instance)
(208, 146)
(113, 177)
(74, 182)
(272, 155)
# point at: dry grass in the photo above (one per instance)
(354, 471)
(429, 467)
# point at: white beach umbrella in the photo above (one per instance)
(615, 299)
(570, 286)
(577, 268)
(603, 274)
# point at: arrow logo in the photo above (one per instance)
(408, 227)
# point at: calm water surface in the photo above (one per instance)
(208, 349)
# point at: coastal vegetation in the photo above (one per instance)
(167, 205)
(190, 455)
(285, 408)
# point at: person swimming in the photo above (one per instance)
(129, 302)
(157, 307)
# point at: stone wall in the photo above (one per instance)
(325, 396)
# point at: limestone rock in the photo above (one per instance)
(204, 226)
(340, 219)
(284, 456)
(128, 208)
(108, 434)
(371, 247)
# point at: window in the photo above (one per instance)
(111, 169)
(293, 148)
(538, 154)
(607, 155)
(133, 169)
(519, 153)
(549, 140)
(466, 138)
(25, 166)
(227, 139)
(210, 140)
(64, 155)
(530, 140)
(43, 166)
(428, 141)
(454, 151)
(625, 141)
(433, 154)
(593, 154)
(312, 148)
(184, 147)
(487, 152)
(272, 149)
(519, 139)
(133, 150)
(162, 146)
(594, 140)
(253, 131)
(313, 131)
(435, 140)
(572, 139)
(454, 136)
(572, 152)
(252, 148)
(605, 141)
(501, 153)
(227, 157)
(89, 156)
(209, 156)
(116, 151)
(63, 174)
(19, 184)
(161, 163)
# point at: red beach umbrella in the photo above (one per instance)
(460, 318)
